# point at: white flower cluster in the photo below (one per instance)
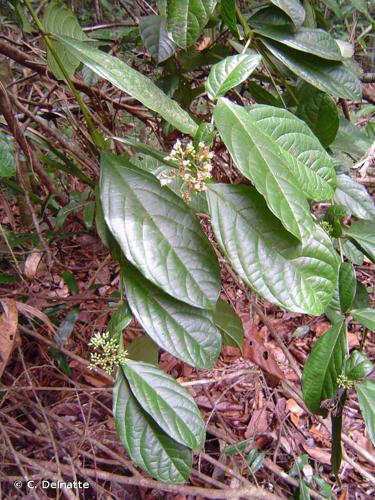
(194, 166)
(109, 356)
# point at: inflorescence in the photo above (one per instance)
(194, 166)
(108, 357)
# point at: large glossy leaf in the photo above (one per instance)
(293, 8)
(362, 233)
(228, 15)
(188, 333)
(354, 197)
(305, 157)
(169, 404)
(60, 20)
(132, 82)
(313, 41)
(155, 37)
(260, 159)
(229, 73)
(187, 19)
(347, 286)
(366, 317)
(322, 368)
(329, 76)
(319, 111)
(298, 277)
(148, 446)
(229, 323)
(7, 156)
(158, 233)
(358, 366)
(353, 254)
(366, 398)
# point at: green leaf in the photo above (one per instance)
(366, 399)
(259, 159)
(229, 324)
(361, 5)
(148, 446)
(354, 197)
(262, 96)
(169, 404)
(7, 156)
(293, 9)
(319, 111)
(270, 15)
(306, 158)
(155, 37)
(329, 76)
(313, 41)
(358, 366)
(60, 20)
(366, 317)
(351, 252)
(229, 73)
(71, 282)
(298, 277)
(186, 19)
(351, 140)
(362, 233)
(334, 7)
(323, 366)
(184, 331)
(235, 449)
(261, 141)
(228, 15)
(361, 299)
(119, 322)
(132, 82)
(205, 133)
(158, 233)
(143, 349)
(347, 286)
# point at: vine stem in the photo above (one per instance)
(96, 136)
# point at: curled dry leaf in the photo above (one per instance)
(32, 312)
(8, 331)
(32, 263)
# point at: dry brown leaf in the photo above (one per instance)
(32, 263)
(321, 328)
(344, 495)
(258, 353)
(258, 423)
(204, 43)
(318, 454)
(8, 331)
(295, 411)
(31, 313)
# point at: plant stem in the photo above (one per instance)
(243, 22)
(96, 136)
